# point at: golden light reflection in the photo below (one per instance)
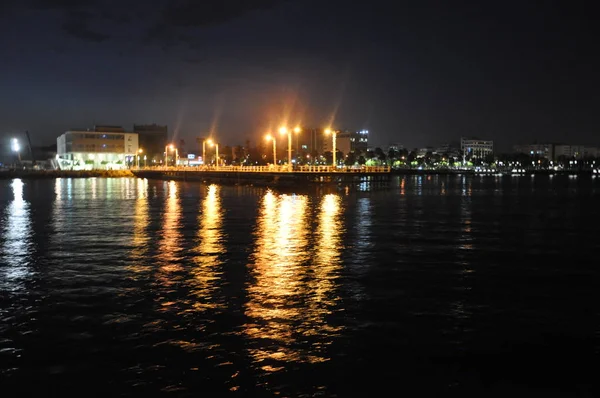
(140, 224)
(169, 245)
(327, 265)
(277, 297)
(17, 240)
(207, 272)
(403, 186)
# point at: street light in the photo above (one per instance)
(269, 138)
(333, 135)
(204, 149)
(297, 130)
(16, 147)
(138, 157)
(171, 147)
(284, 130)
(216, 152)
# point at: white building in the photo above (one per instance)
(96, 149)
(476, 148)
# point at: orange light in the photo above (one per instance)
(297, 130)
(327, 131)
(283, 130)
(268, 137)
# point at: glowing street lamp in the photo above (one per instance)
(216, 151)
(138, 157)
(209, 141)
(270, 138)
(14, 144)
(172, 148)
(333, 135)
(285, 130)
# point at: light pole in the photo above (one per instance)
(16, 148)
(333, 135)
(204, 149)
(297, 131)
(138, 157)
(145, 163)
(285, 130)
(172, 148)
(216, 152)
(270, 138)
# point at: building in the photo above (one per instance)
(546, 151)
(476, 148)
(575, 151)
(451, 150)
(348, 141)
(103, 147)
(152, 140)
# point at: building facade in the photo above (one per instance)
(348, 141)
(575, 152)
(540, 150)
(476, 148)
(152, 140)
(96, 149)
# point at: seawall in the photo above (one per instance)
(41, 174)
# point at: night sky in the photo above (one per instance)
(416, 73)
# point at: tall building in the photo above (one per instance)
(540, 150)
(99, 148)
(348, 141)
(153, 140)
(476, 148)
(575, 151)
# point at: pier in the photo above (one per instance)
(271, 175)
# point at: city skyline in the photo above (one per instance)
(422, 75)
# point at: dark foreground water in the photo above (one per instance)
(483, 286)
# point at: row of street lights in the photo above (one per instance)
(284, 130)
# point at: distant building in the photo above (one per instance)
(476, 148)
(152, 140)
(448, 149)
(575, 151)
(557, 151)
(540, 150)
(348, 141)
(97, 149)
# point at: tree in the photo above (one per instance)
(392, 155)
(350, 159)
(362, 160)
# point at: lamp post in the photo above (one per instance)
(16, 148)
(333, 135)
(285, 130)
(145, 163)
(216, 152)
(270, 138)
(138, 157)
(172, 148)
(297, 131)
(204, 149)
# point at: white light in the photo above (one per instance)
(15, 145)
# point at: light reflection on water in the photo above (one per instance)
(169, 246)
(290, 297)
(16, 250)
(207, 273)
(184, 285)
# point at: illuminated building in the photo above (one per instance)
(476, 148)
(103, 147)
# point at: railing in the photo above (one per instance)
(275, 169)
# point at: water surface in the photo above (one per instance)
(449, 284)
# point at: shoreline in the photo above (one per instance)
(46, 174)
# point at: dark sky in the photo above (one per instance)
(417, 73)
